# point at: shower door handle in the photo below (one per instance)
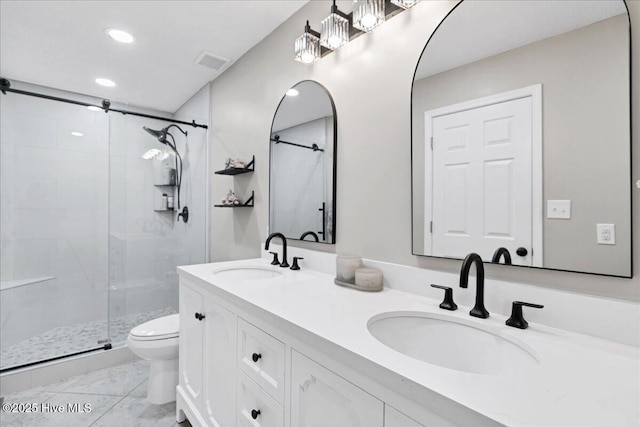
(200, 316)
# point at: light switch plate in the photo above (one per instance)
(606, 234)
(559, 209)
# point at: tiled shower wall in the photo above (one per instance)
(81, 241)
(54, 232)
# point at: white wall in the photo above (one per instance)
(370, 82)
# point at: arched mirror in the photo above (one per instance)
(302, 172)
(521, 135)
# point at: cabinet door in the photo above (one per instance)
(219, 395)
(190, 352)
(395, 418)
(320, 398)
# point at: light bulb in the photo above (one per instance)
(307, 58)
(368, 20)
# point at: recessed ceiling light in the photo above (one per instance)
(105, 82)
(94, 108)
(292, 92)
(76, 133)
(119, 35)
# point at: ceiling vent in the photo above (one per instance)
(212, 61)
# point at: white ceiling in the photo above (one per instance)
(478, 29)
(62, 44)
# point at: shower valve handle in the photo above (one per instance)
(200, 316)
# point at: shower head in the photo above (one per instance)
(161, 134)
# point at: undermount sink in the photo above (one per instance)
(246, 273)
(451, 343)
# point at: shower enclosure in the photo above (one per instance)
(88, 248)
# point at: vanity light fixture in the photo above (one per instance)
(339, 29)
(94, 108)
(77, 133)
(105, 82)
(292, 92)
(368, 14)
(334, 30)
(405, 4)
(307, 46)
(119, 35)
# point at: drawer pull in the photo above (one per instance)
(199, 316)
(254, 413)
(256, 357)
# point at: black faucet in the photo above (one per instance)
(504, 252)
(478, 310)
(284, 262)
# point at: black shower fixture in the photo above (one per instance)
(161, 135)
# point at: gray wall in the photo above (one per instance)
(585, 135)
(370, 81)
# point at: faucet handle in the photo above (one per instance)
(517, 319)
(275, 261)
(448, 303)
(295, 265)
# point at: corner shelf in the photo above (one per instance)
(247, 204)
(237, 171)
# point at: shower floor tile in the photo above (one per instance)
(73, 338)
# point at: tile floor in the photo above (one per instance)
(116, 397)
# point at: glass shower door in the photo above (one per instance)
(54, 229)
(146, 240)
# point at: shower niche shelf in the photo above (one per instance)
(237, 171)
(247, 204)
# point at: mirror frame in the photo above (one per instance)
(335, 165)
(632, 169)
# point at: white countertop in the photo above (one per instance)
(581, 380)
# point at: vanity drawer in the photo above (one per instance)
(261, 357)
(255, 402)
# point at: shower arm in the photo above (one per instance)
(184, 132)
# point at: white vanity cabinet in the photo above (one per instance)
(234, 374)
(395, 418)
(320, 398)
(207, 359)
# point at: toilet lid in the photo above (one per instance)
(162, 328)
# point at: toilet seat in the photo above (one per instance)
(157, 329)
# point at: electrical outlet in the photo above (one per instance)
(606, 234)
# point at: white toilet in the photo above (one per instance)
(157, 342)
